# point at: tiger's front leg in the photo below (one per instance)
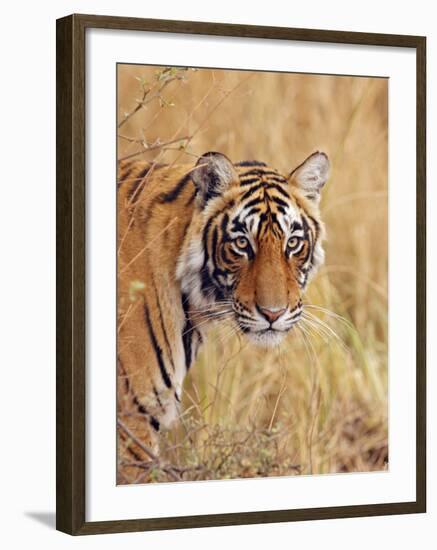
(137, 429)
(152, 363)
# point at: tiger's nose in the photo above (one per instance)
(272, 314)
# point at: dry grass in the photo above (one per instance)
(318, 403)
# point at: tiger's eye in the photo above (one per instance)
(293, 243)
(241, 242)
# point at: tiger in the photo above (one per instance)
(203, 244)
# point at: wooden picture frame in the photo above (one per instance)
(71, 274)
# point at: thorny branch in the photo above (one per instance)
(152, 147)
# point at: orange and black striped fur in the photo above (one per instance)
(197, 245)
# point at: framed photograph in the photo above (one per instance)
(240, 274)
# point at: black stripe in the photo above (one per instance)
(214, 246)
(261, 173)
(278, 179)
(296, 314)
(308, 236)
(262, 219)
(154, 423)
(139, 179)
(253, 202)
(316, 225)
(187, 333)
(176, 191)
(164, 332)
(245, 316)
(279, 188)
(187, 340)
(275, 222)
(125, 175)
(140, 407)
(248, 181)
(279, 201)
(252, 211)
(157, 349)
(191, 199)
(251, 191)
(214, 256)
(136, 456)
(155, 391)
(237, 225)
(224, 224)
(296, 226)
(142, 410)
(250, 163)
(206, 281)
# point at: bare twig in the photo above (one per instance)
(140, 444)
(145, 100)
(147, 148)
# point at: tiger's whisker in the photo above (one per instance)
(197, 325)
(317, 329)
(328, 329)
(330, 314)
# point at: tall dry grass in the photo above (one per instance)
(318, 403)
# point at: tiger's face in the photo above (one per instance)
(256, 241)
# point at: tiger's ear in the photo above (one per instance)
(311, 175)
(212, 175)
